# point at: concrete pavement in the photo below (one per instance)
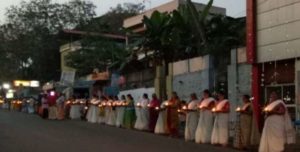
(21, 132)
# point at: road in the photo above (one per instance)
(21, 132)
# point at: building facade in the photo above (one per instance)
(273, 48)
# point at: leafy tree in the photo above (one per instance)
(186, 32)
(31, 35)
(157, 37)
(112, 21)
(176, 35)
(101, 52)
(116, 15)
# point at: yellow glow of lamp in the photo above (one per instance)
(266, 109)
(167, 104)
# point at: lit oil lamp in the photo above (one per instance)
(138, 105)
(214, 110)
(86, 107)
(266, 109)
(167, 104)
(184, 108)
(68, 102)
(157, 108)
(149, 105)
(238, 109)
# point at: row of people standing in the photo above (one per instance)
(207, 120)
(208, 126)
(125, 112)
(213, 123)
(52, 107)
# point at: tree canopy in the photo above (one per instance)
(99, 52)
(187, 32)
(30, 39)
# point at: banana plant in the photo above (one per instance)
(199, 19)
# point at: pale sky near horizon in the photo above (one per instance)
(235, 8)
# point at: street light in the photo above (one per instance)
(6, 86)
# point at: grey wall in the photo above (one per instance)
(188, 83)
(239, 83)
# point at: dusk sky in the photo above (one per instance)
(235, 8)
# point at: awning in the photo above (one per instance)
(103, 76)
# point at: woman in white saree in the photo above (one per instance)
(102, 107)
(75, 109)
(278, 129)
(161, 124)
(220, 133)
(206, 119)
(120, 111)
(142, 114)
(111, 112)
(191, 118)
(93, 111)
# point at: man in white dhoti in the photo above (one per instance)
(191, 118)
(93, 111)
(278, 129)
(206, 119)
(220, 133)
(142, 113)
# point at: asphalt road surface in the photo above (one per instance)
(21, 132)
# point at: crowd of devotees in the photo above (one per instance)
(204, 120)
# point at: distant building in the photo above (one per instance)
(65, 50)
(96, 80)
(135, 23)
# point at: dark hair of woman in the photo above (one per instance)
(145, 95)
(246, 96)
(206, 91)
